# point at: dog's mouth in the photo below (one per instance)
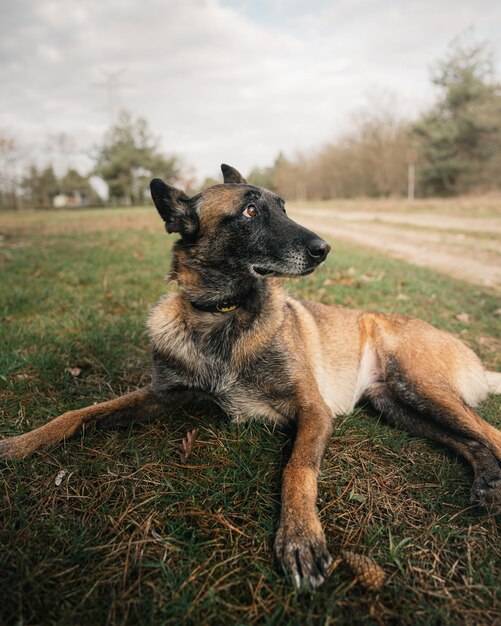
(267, 272)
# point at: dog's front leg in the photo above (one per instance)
(300, 541)
(134, 406)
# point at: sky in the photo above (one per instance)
(219, 80)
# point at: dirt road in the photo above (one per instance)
(464, 247)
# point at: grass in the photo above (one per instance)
(483, 206)
(131, 536)
(454, 232)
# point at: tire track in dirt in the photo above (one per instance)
(468, 258)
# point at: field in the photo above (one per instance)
(132, 536)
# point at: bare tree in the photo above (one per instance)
(10, 158)
(371, 159)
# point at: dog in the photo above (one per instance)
(232, 334)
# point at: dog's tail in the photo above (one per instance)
(494, 381)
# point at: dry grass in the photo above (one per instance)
(483, 206)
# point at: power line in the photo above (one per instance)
(112, 84)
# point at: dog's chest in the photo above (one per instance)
(260, 390)
(249, 386)
(180, 360)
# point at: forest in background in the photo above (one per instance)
(452, 148)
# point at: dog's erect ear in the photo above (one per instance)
(174, 207)
(230, 175)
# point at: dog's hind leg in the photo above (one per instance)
(465, 441)
(429, 382)
(134, 406)
(300, 542)
(435, 393)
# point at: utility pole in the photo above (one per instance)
(112, 84)
(411, 178)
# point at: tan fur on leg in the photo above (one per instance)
(136, 405)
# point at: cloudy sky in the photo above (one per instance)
(220, 80)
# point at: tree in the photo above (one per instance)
(371, 159)
(129, 157)
(61, 147)
(9, 175)
(262, 177)
(209, 181)
(73, 183)
(461, 134)
(39, 187)
(284, 177)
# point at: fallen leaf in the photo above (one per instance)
(24, 377)
(187, 444)
(369, 278)
(59, 477)
(138, 255)
(497, 312)
(358, 497)
(74, 371)
(402, 296)
(463, 317)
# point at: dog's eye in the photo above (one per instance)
(250, 211)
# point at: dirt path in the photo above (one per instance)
(421, 239)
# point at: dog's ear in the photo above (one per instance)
(230, 175)
(174, 207)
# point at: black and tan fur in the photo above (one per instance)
(232, 334)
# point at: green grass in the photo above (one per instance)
(131, 536)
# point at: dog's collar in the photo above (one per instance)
(220, 307)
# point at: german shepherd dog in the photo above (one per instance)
(233, 335)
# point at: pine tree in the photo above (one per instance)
(461, 134)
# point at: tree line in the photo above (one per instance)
(453, 147)
(126, 160)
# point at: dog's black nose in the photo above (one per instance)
(318, 249)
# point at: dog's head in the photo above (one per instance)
(238, 228)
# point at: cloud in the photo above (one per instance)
(220, 81)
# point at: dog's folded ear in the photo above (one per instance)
(230, 175)
(175, 208)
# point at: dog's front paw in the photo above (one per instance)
(5, 452)
(11, 449)
(302, 550)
